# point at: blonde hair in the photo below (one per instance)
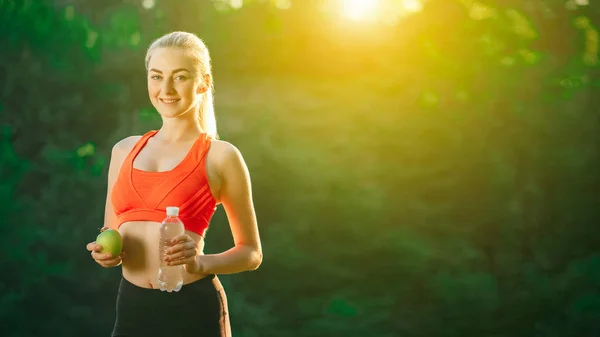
(192, 43)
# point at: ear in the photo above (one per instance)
(204, 85)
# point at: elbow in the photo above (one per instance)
(255, 259)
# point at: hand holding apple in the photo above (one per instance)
(107, 250)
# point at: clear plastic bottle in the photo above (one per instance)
(170, 278)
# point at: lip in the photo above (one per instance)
(169, 101)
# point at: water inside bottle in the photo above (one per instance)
(169, 278)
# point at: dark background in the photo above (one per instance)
(425, 173)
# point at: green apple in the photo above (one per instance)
(111, 242)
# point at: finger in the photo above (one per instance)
(188, 260)
(93, 246)
(101, 256)
(175, 249)
(108, 259)
(118, 259)
(180, 238)
(186, 254)
(110, 263)
(181, 255)
(182, 246)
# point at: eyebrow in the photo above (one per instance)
(174, 71)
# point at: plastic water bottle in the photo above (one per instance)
(170, 278)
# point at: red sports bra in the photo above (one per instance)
(144, 196)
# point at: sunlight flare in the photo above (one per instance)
(359, 10)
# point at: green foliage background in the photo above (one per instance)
(431, 177)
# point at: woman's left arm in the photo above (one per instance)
(236, 198)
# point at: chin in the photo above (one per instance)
(172, 112)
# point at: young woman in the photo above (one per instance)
(182, 164)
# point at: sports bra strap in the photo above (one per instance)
(140, 144)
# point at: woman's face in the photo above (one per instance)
(174, 86)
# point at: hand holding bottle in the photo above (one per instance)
(184, 250)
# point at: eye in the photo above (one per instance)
(181, 78)
(155, 77)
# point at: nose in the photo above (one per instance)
(167, 86)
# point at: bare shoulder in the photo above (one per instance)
(125, 145)
(224, 148)
(118, 155)
(225, 155)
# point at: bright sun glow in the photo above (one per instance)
(369, 10)
(412, 5)
(359, 10)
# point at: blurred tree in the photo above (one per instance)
(63, 88)
(428, 177)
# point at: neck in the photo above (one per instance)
(179, 129)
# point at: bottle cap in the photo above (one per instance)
(172, 211)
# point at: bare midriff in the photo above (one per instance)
(141, 262)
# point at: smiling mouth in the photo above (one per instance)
(169, 101)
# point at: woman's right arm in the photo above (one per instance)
(118, 154)
(117, 157)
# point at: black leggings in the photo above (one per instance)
(198, 309)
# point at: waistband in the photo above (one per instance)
(205, 286)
